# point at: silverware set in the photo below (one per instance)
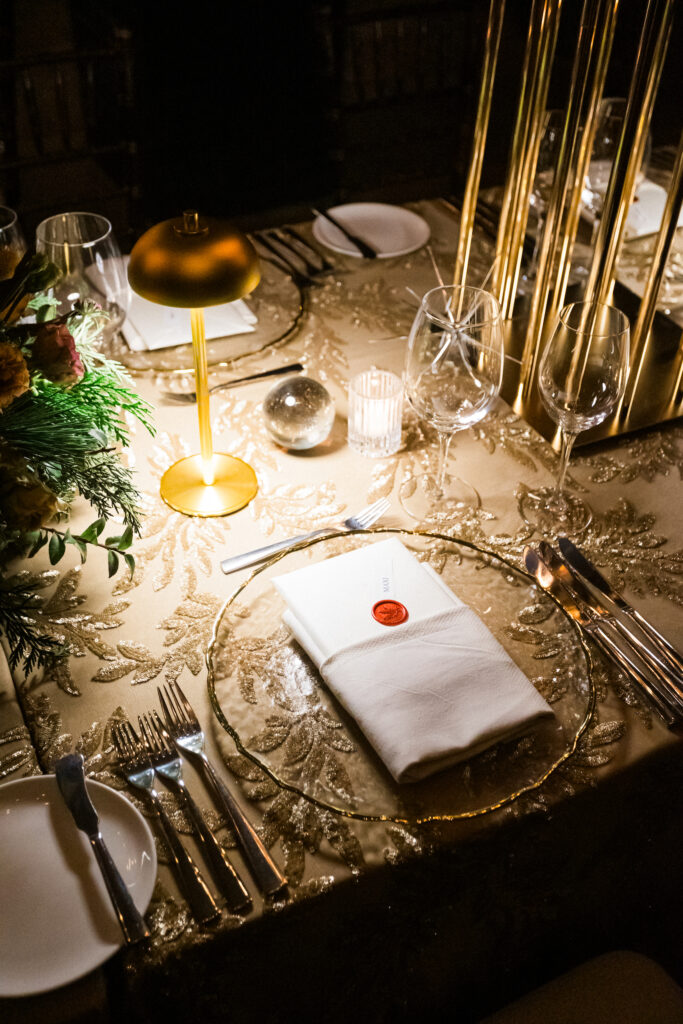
(293, 253)
(624, 636)
(156, 749)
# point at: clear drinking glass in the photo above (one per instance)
(544, 177)
(375, 410)
(454, 370)
(83, 247)
(12, 244)
(611, 113)
(581, 377)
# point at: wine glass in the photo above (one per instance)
(83, 247)
(453, 373)
(581, 377)
(12, 244)
(544, 177)
(610, 122)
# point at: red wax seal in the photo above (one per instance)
(389, 612)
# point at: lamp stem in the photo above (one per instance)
(202, 389)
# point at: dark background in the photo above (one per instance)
(139, 110)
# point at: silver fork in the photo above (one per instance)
(135, 765)
(166, 763)
(360, 521)
(187, 734)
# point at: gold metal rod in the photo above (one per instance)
(587, 75)
(492, 43)
(640, 337)
(647, 72)
(201, 374)
(519, 215)
(519, 141)
(531, 160)
(607, 19)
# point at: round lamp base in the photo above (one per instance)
(183, 487)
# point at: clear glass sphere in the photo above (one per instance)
(298, 413)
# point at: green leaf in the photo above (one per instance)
(126, 538)
(57, 548)
(82, 547)
(92, 532)
(41, 542)
(113, 542)
(130, 562)
(113, 560)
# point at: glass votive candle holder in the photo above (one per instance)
(375, 411)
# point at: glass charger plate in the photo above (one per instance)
(267, 695)
(278, 304)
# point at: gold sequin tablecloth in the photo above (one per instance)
(127, 636)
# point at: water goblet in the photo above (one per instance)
(12, 248)
(83, 247)
(453, 373)
(610, 123)
(582, 376)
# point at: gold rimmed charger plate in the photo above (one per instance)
(270, 702)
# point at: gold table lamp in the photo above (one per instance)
(192, 263)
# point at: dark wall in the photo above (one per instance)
(245, 110)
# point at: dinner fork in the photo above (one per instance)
(188, 735)
(360, 521)
(166, 763)
(135, 765)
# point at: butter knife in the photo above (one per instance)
(588, 621)
(363, 247)
(669, 656)
(71, 782)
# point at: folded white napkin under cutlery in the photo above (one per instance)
(149, 326)
(428, 692)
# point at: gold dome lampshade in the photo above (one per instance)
(191, 262)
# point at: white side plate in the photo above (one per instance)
(56, 920)
(390, 230)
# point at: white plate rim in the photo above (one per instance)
(423, 231)
(102, 951)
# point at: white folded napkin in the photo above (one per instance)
(645, 212)
(149, 326)
(426, 693)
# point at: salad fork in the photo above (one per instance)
(360, 521)
(166, 763)
(188, 735)
(135, 765)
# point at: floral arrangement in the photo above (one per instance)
(63, 409)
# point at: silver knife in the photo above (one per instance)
(670, 658)
(364, 248)
(661, 680)
(589, 623)
(71, 782)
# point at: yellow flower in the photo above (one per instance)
(14, 375)
(25, 503)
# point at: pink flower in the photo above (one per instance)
(54, 354)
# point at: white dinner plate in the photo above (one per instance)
(390, 230)
(56, 920)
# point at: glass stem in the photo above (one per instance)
(567, 445)
(444, 445)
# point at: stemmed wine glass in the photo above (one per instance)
(12, 244)
(610, 122)
(454, 370)
(84, 248)
(582, 375)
